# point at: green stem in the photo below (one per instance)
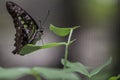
(36, 75)
(66, 48)
(66, 56)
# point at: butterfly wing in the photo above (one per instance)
(26, 27)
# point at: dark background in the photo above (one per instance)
(97, 37)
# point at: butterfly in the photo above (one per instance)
(27, 30)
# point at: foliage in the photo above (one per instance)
(48, 73)
(80, 68)
(69, 69)
(115, 77)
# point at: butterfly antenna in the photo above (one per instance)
(45, 18)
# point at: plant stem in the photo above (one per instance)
(35, 74)
(66, 48)
(37, 77)
(66, 56)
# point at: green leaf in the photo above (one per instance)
(28, 49)
(56, 74)
(31, 47)
(102, 75)
(97, 70)
(48, 73)
(13, 73)
(61, 31)
(76, 67)
(115, 77)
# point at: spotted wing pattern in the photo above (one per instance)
(25, 25)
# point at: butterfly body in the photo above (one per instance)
(27, 30)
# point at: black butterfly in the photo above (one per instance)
(27, 30)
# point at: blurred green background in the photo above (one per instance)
(97, 38)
